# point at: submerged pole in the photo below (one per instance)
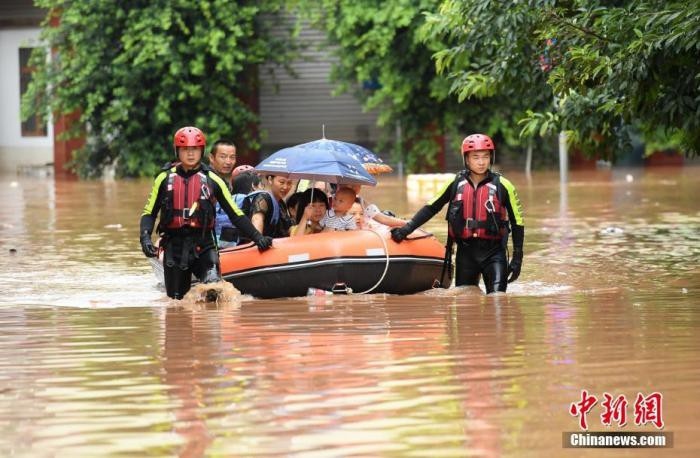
(528, 161)
(563, 158)
(399, 147)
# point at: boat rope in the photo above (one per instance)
(386, 263)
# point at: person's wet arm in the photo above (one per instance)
(423, 215)
(259, 212)
(153, 204)
(431, 208)
(387, 220)
(515, 215)
(148, 217)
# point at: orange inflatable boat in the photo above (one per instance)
(365, 261)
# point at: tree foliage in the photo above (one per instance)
(611, 65)
(397, 49)
(136, 71)
(381, 59)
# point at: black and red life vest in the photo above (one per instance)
(189, 201)
(477, 213)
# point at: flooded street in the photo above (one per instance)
(96, 361)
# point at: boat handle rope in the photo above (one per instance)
(386, 253)
(386, 263)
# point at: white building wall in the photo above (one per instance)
(16, 150)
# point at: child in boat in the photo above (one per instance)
(358, 213)
(338, 218)
(315, 206)
(293, 205)
(369, 217)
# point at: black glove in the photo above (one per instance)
(516, 263)
(263, 242)
(420, 218)
(400, 233)
(147, 246)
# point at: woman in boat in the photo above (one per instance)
(268, 210)
(293, 206)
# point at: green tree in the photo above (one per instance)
(382, 60)
(391, 47)
(138, 70)
(611, 65)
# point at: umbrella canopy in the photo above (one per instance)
(320, 160)
(370, 161)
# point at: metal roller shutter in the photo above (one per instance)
(293, 110)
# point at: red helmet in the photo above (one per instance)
(242, 168)
(477, 142)
(189, 136)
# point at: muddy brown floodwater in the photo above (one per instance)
(95, 361)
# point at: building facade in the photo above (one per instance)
(292, 109)
(28, 143)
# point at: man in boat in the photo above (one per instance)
(185, 193)
(482, 206)
(222, 160)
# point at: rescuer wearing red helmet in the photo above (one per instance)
(185, 193)
(483, 205)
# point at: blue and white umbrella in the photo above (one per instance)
(370, 161)
(321, 160)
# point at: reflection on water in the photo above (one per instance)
(96, 361)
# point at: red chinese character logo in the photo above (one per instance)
(580, 409)
(648, 410)
(614, 410)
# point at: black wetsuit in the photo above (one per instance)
(481, 256)
(191, 250)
